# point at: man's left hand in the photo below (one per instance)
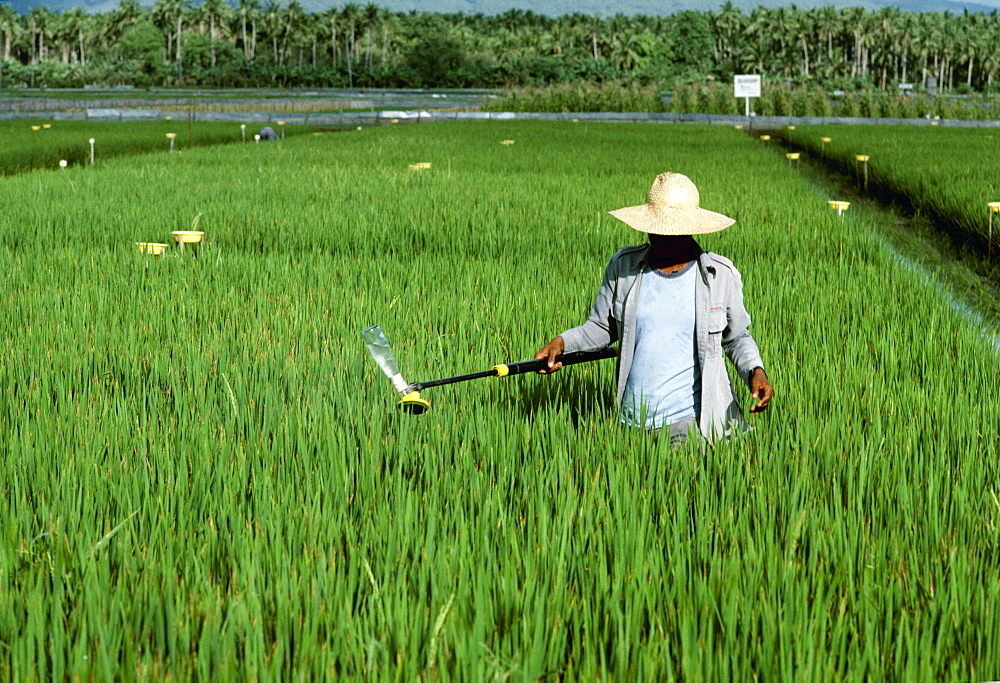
(761, 389)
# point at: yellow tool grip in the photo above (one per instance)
(502, 370)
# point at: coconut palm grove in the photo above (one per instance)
(266, 44)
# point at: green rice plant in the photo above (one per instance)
(945, 173)
(584, 97)
(714, 97)
(206, 477)
(26, 145)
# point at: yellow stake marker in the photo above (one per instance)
(152, 248)
(281, 124)
(791, 128)
(46, 126)
(765, 138)
(994, 208)
(171, 136)
(36, 128)
(840, 206)
(168, 118)
(187, 237)
(506, 142)
(863, 158)
(792, 156)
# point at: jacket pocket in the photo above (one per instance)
(717, 320)
(618, 311)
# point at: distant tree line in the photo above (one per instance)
(280, 44)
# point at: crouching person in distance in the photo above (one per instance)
(675, 308)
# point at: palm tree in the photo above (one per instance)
(906, 25)
(596, 26)
(385, 17)
(127, 14)
(38, 17)
(826, 20)
(349, 15)
(785, 26)
(333, 20)
(177, 9)
(215, 10)
(991, 58)
(370, 16)
(886, 41)
(248, 10)
(9, 26)
(727, 25)
(272, 25)
(926, 41)
(970, 42)
(163, 15)
(310, 30)
(64, 35)
(760, 41)
(948, 47)
(293, 17)
(800, 29)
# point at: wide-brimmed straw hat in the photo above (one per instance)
(672, 209)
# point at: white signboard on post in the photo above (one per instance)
(746, 86)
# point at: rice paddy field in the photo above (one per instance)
(946, 173)
(26, 145)
(205, 476)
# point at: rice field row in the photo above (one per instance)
(205, 475)
(945, 173)
(43, 144)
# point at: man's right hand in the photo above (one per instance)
(550, 352)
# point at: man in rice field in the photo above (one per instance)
(675, 308)
(267, 134)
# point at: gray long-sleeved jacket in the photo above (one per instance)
(721, 323)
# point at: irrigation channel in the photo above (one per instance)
(949, 259)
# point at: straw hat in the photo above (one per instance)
(672, 209)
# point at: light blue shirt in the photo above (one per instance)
(721, 331)
(664, 383)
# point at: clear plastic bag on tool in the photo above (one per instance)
(378, 347)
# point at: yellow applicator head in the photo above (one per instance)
(414, 405)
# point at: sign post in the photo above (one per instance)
(746, 86)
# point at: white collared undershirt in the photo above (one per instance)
(664, 383)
